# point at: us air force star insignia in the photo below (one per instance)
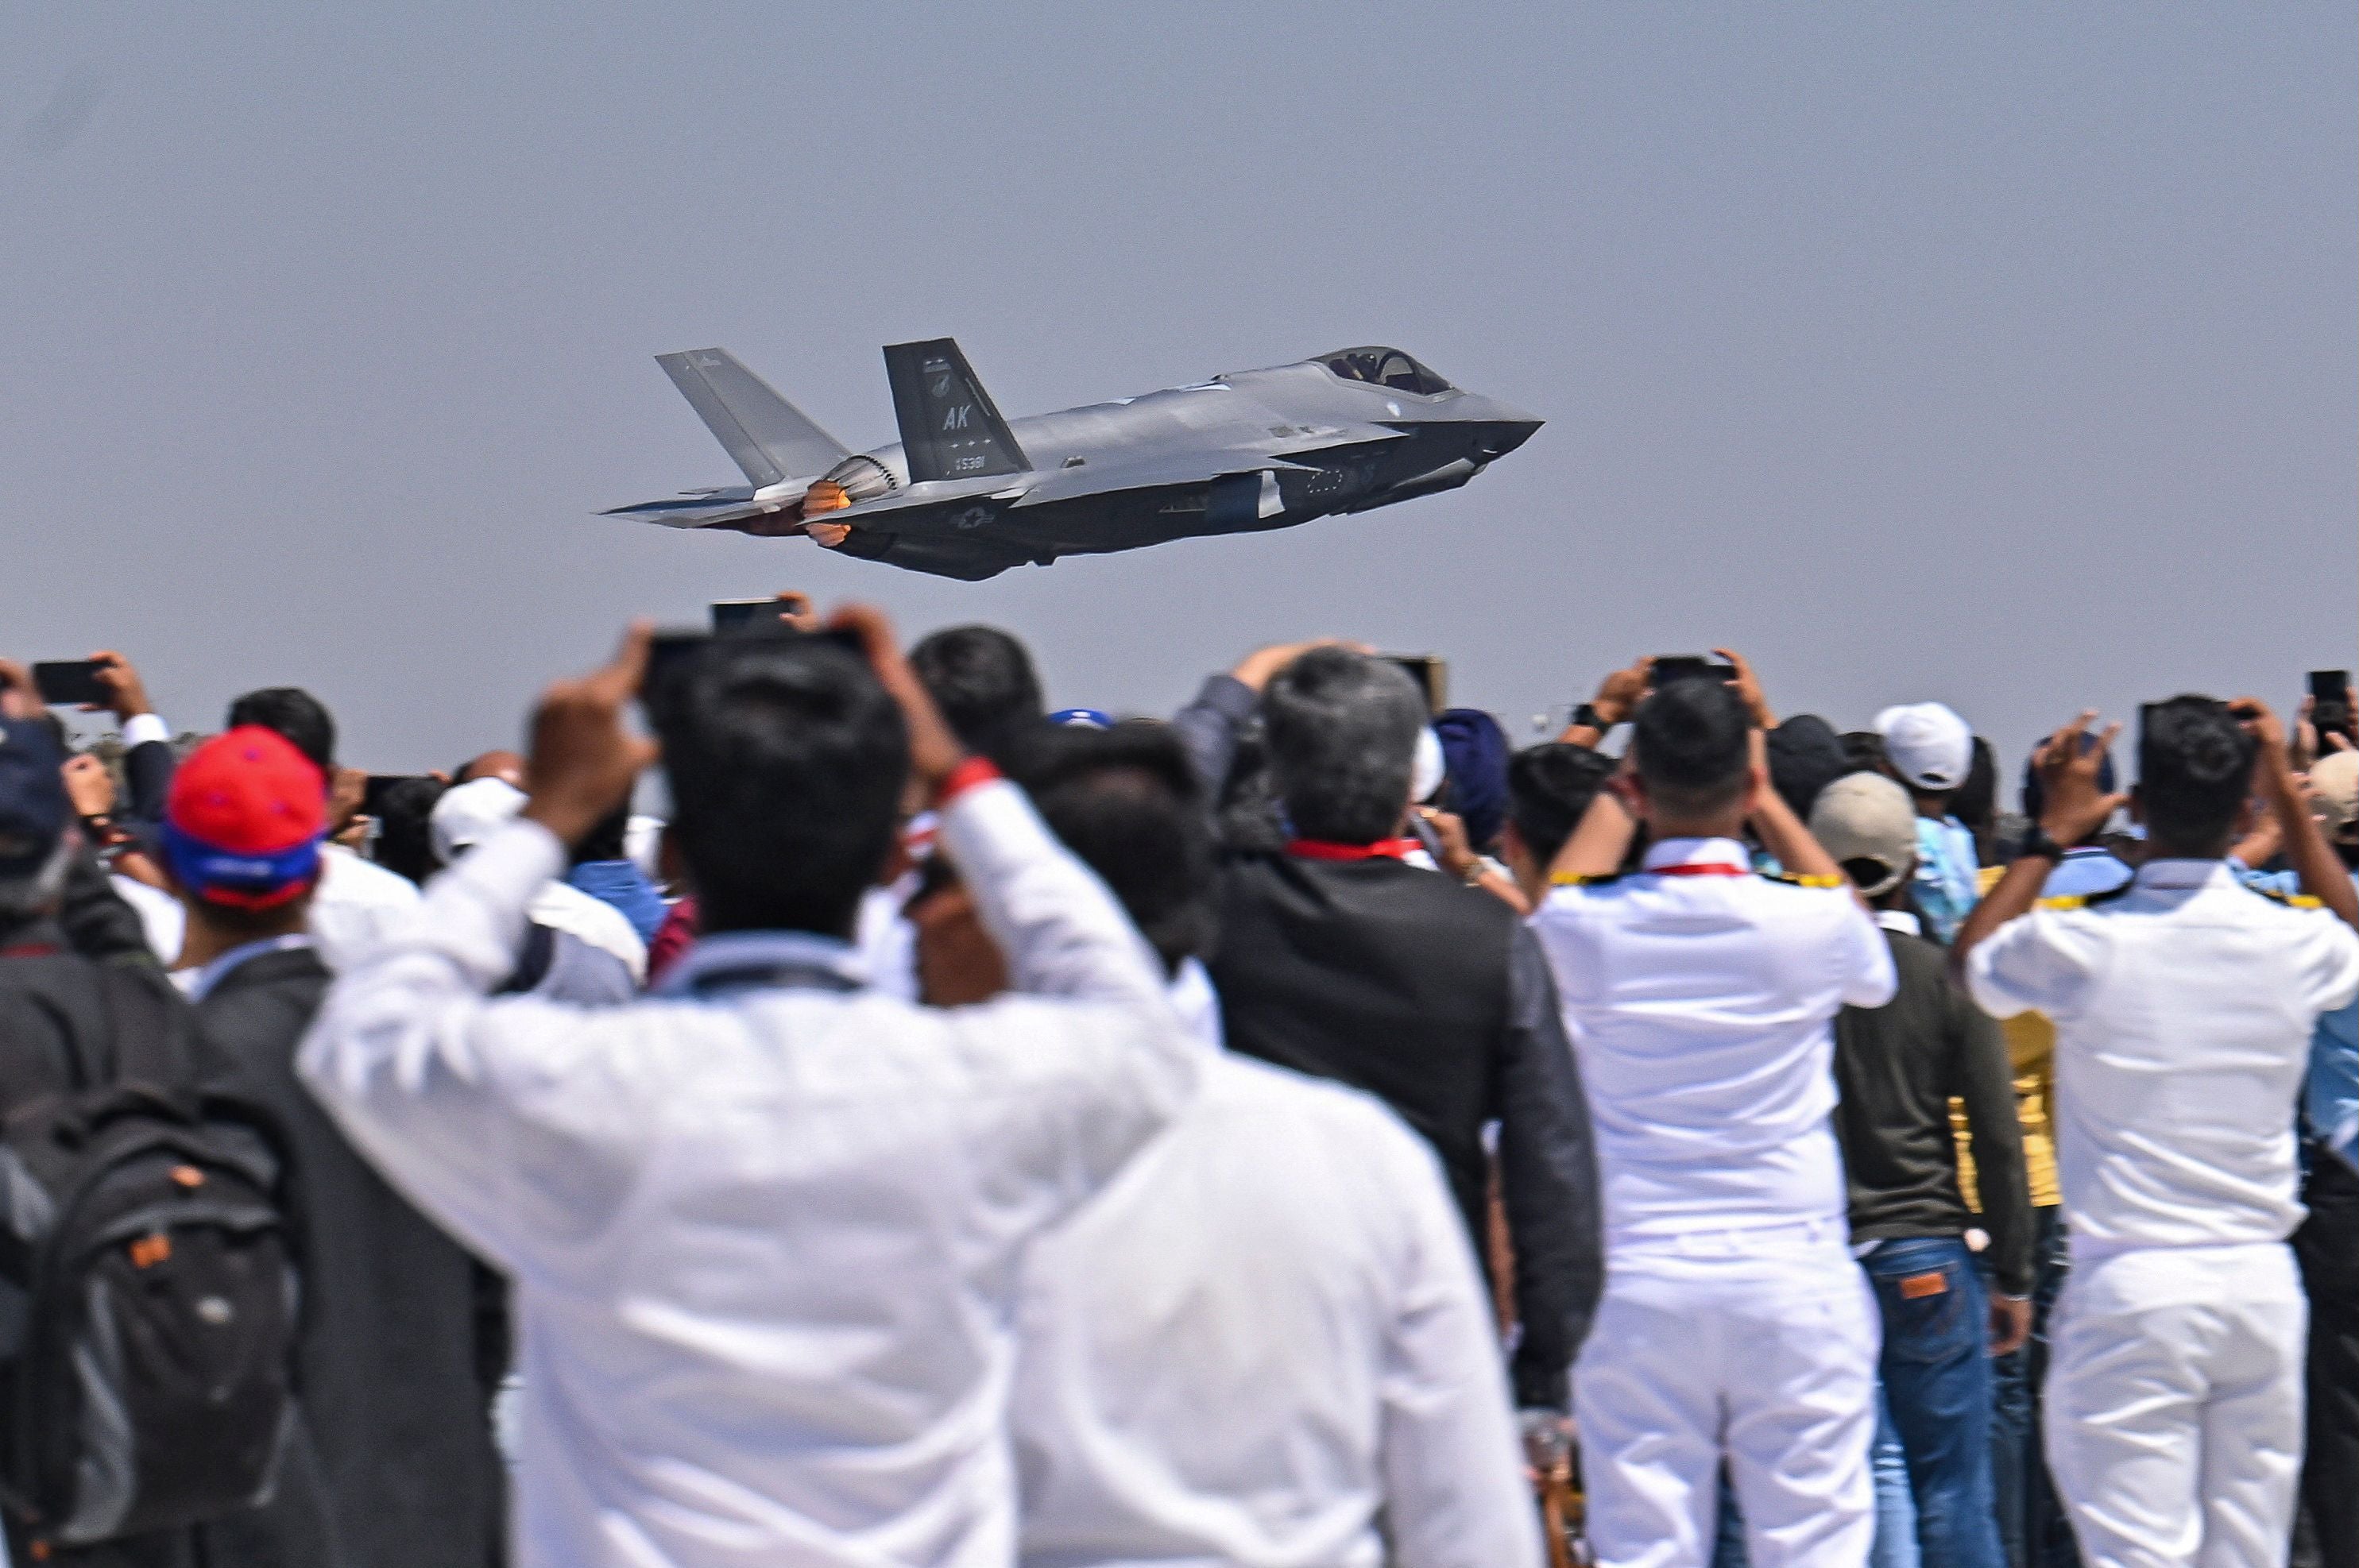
(972, 517)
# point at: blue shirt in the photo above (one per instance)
(2084, 873)
(2330, 1094)
(1944, 882)
(623, 885)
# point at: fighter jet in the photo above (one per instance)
(965, 493)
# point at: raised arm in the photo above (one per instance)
(2075, 808)
(2322, 874)
(452, 1094)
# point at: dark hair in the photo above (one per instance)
(1863, 751)
(1341, 732)
(1975, 800)
(1127, 801)
(786, 762)
(1805, 756)
(982, 680)
(1549, 788)
(604, 841)
(1693, 742)
(403, 844)
(294, 713)
(2195, 770)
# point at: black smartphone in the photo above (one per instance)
(1670, 667)
(374, 791)
(1432, 676)
(2330, 703)
(67, 682)
(670, 648)
(736, 614)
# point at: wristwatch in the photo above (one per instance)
(1587, 718)
(2036, 842)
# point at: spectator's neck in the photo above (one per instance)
(209, 935)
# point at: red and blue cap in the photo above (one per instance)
(244, 820)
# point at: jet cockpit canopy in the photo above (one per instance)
(1384, 367)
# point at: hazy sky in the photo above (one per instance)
(2002, 353)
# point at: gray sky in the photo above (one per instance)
(2002, 353)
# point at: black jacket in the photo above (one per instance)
(393, 1391)
(1898, 1067)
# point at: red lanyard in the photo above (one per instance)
(1701, 869)
(1321, 850)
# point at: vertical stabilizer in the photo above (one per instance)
(948, 427)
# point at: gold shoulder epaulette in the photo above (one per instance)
(1575, 880)
(1796, 880)
(2066, 901)
(2290, 900)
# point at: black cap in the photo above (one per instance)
(34, 811)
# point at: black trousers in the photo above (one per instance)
(2328, 1246)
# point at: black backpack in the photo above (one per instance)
(147, 1302)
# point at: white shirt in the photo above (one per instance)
(358, 905)
(1701, 1007)
(2183, 1012)
(161, 919)
(1266, 1345)
(561, 907)
(764, 1229)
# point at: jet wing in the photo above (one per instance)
(1152, 471)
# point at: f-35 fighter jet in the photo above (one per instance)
(965, 493)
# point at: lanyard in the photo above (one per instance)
(1321, 850)
(1700, 869)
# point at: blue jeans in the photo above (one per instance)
(1937, 1379)
(2031, 1518)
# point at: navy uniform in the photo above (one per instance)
(1699, 997)
(2184, 1005)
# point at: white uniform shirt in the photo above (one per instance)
(358, 905)
(1702, 1008)
(2183, 1012)
(1266, 1345)
(765, 1230)
(561, 907)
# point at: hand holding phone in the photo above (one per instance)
(65, 682)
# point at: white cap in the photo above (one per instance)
(1430, 767)
(471, 812)
(1866, 817)
(1929, 745)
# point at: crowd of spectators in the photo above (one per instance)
(1305, 1132)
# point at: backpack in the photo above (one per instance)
(148, 1290)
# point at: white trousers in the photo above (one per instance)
(1767, 1359)
(2174, 1406)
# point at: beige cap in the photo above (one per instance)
(1866, 817)
(2334, 792)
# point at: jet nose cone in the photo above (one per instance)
(1504, 435)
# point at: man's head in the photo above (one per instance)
(1693, 745)
(295, 714)
(786, 760)
(1475, 754)
(1976, 802)
(1341, 730)
(243, 826)
(1127, 801)
(1930, 748)
(505, 766)
(2335, 801)
(2195, 775)
(1805, 756)
(1549, 788)
(1869, 825)
(982, 680)
(405, 844)
(36, 834)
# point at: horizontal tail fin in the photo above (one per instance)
(948, 427)
(771, 439)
